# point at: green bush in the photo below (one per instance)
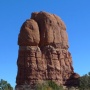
(54, 86)
(84, 82)
(48, 85)
(4, 85)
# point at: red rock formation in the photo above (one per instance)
(43, 51)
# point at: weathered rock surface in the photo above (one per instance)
(43, 51)
(29, 34)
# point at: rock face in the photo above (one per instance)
(43, 51)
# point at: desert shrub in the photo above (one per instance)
(54, 86)
(4, 85)
(84, 82)
(48, 85)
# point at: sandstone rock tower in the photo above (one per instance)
(43, 51)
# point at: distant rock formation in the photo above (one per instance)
(43, 52)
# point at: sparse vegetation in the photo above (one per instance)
(48, 85)
(85, 82)
(4, 85)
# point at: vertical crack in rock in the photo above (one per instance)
(43, 52)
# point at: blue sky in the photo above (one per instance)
(74, 13)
